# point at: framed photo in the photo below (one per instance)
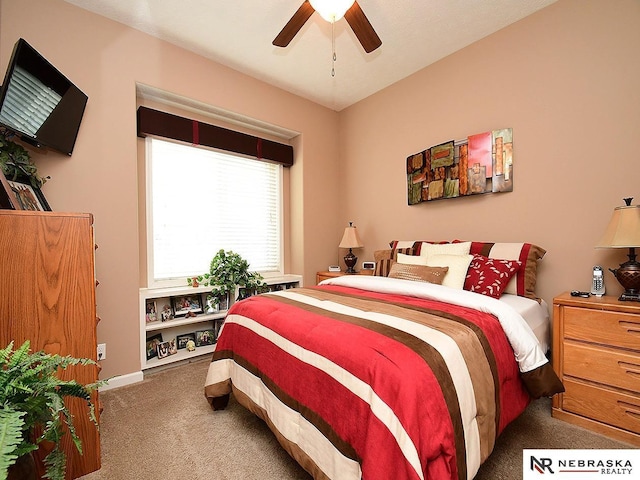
(205, 337)
(224, 303)
(152, 343)
(166, 313)
(152, 311)
(181, 340)
(217, 327)
(163, 349)
(173, 349)
(8, 198)
(187, 304)
(211, 306)
(28, 196)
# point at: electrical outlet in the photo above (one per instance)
(102, 351)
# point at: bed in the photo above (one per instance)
(382, 376)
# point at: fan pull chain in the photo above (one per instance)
(333, 48)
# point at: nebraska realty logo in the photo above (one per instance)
(580, 464)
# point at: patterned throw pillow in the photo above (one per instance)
(490, 276)
(523, 282)
(418, 273)
(384, 259)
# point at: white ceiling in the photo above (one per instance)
(238, 33)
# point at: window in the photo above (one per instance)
(199, 201)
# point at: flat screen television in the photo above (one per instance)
(38, 103)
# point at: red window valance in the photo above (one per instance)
(162, 124)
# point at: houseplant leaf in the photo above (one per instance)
(11, 425)
(32, 392)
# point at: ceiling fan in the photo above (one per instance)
(354, 15)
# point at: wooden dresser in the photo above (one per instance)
(47, 280)
(596, 354)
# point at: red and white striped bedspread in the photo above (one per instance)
(361, 383)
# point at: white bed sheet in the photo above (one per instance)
(535, 314)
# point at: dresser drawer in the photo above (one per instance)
(607, 328)
(613, 408)
(618, 368)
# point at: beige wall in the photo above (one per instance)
(566, 80)
(106, 59)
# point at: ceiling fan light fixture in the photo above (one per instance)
(331, 10)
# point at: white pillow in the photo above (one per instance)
(458, 266)
(411, 259)
(428, 249)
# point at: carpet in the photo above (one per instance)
(164, 428)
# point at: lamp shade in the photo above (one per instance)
(350, 239)
(331, 10)
(623, 230)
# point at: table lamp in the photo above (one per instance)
(624, 232)
(350, 240)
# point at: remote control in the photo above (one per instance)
(576, 293)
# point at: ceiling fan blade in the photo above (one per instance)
(294, 25)
(362, 28)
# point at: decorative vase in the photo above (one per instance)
(23, 469)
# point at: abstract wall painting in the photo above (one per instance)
(481, 163)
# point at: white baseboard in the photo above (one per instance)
(123, 380)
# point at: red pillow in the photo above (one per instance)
(524, 283)
(490, 276)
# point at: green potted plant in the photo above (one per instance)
(198, 280)
(16, 162)
(32, 408)
(227, 271)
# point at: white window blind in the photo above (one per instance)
(202, 201)
(28, 94)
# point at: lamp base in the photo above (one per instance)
(350, 261)
(629, 297)
(628, 274)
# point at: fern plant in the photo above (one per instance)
(32, 399)
(16, 162)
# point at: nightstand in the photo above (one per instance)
(596, 354)
(320, 276)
